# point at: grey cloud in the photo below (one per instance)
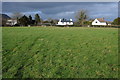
(63, 9)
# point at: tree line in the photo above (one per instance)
(82, 19)
(24, 20)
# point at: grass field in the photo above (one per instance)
(55, 52)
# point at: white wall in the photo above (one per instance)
(65, 23)
(98, 23)
(11, 22)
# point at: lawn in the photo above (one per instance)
(59, 52)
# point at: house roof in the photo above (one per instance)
(109, 22)
(101, 19)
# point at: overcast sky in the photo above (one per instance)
(57, 10)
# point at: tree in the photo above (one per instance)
(52, 21)
(37, 19)
(30, 20)
(17, 15)
(81, 17)
(87, 23)
(116, 21)
(24, 21)
(49, 19)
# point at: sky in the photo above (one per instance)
(58, 10)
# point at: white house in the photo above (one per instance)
(11, 22)
(63, 22)
(99, 21)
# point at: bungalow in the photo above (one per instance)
(100, 21)
(11, 22)
(63, 22)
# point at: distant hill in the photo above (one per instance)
(4, 16)
(3, 19)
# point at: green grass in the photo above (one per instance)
(56, 52)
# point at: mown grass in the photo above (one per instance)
(53, 52)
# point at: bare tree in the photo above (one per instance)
(37, 19)
(81, 16)
(16, 15)
(52, 21)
